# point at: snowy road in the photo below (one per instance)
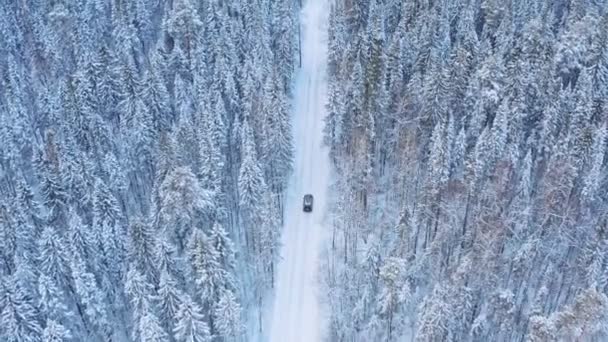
(297, 314)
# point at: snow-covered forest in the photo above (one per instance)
(470, 197)
(145, 147)
(146, 150)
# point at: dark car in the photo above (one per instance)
(308, 203)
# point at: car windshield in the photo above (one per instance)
(308, 199)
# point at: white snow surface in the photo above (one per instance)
(297, 314)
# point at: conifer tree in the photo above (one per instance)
(51, 301)
(434, 313)
(594, 178)
(439, 158)
(168, 299)
(251, 179)
(182, 199)
(55, 332)
(166, 256)
(151, 330)
(143, 247)
(156, 97)
(53, 192)
(184, 24)
(283, 41)
(227, 316)
(90, 297)
(191, 325)
(54, 258)
(19, 320)
(224, 246)
(279, 153)
(206, 270)
(139, 292)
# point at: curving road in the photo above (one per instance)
(297, 314)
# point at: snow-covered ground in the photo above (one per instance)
(297, 314)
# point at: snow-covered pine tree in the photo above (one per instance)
(251, 185)
(19, 318)
(90, 300)
(155, 95)
(166, 259)
(190, 323)
(168, 299)
(151, 329)
(224, 246)
(277, 149)
(594, 178)
(207, 272)
(139, 292)
(583, 317)
(434, 313)
(184, 25)
(53, 193)
(142, 248)
(212, 145)
(227, 316)
(394, 292)
(439, 158)
(284, 40)
(580, 128)
(54, 259)
(52, 300)
(55, 332)
(130, 88)
(182, 202)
